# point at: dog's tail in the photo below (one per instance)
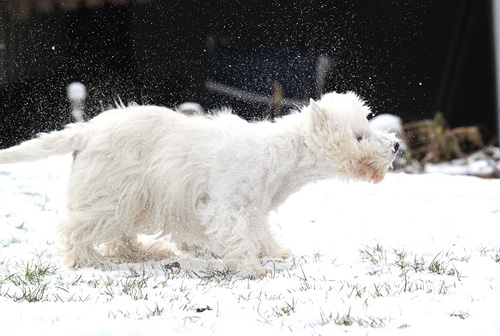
(45, 145)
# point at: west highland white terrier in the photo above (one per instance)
(203, 180)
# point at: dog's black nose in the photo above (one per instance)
(396, 147)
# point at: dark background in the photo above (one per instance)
(408, 58)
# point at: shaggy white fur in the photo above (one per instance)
(207, 181)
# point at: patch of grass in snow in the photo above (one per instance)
(415, 264)
(28, 282)
(134, 288)
(460, 314)
(356, 291)
(21, 227)
(34, 272)
(119, 314)
(11, 241)
(108, 288)
(445, 265)
(157, 311)
(286, 310)
(408, 266)
(295, 285)
(134, 282)
(216, 276)
(30, 293)
(437, 266)
(347, 320)
(489, 252)
(40, 200)
(373, 255)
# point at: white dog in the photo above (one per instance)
(206, 181)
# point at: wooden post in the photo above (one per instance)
(495, 12)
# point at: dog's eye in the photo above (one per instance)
(359, 137)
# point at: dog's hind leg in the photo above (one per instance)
(79, 244)
(130, 249)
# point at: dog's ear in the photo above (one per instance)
(313, 104)
(319, 116)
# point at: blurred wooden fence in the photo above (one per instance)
(24, 9)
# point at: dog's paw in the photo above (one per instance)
(69, 261)
(277, 252)
(156, 250)
(258, 273)
(286, 253)
(253, 270)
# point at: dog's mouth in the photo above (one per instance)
(371, 171)
(368, 170)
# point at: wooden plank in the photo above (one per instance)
(69, 5)
(94, 3)
(19, 9)
(44, 6)
(119, 2)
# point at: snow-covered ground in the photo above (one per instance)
(482, 163)
(413, 255)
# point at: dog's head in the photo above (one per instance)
(340, 131)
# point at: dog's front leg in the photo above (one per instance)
(234, 234)
(272, 248)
